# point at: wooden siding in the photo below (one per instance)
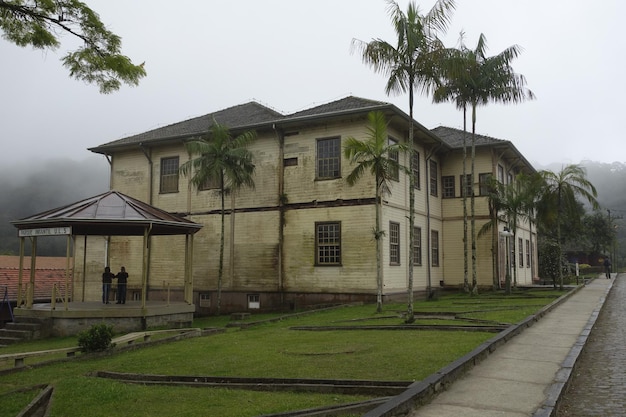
(252, 261)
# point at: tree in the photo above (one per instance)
(470, 78)
(99, 60)
(409, 66)
(375, 155)
(510, 204)
(599, 233)
(559, 197)
(223, 160)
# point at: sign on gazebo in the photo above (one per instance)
(46, 231)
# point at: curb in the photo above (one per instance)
(422, 392)
(563, 377)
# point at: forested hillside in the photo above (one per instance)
(29, 188)
(610, 182)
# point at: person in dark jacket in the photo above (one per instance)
(107, 279)
(122, 279)
(607, 267)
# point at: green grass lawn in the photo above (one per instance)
(269, 349)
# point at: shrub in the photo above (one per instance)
(96, 339)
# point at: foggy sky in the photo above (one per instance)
(289, 55)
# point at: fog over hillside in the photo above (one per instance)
(31, 187)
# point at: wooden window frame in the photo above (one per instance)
(394, 243)
(169, 176)
(434, 247)
(448, 188)
(328, 243)
(417, 246)
(328, 158)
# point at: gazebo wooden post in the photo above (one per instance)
(20, 273)
(189, 268)
(67, 270)
(33, 265)
(144, 269)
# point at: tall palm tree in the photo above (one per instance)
(374, 155)
(560, 196)
(494, 193)
(223, 160)
(470, 78)
(409, 66)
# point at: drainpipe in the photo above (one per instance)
(428, 243)
(150, 201)
(281, 209)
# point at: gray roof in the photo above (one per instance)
(454, 137)
(251, 115)
(350, 103)
(110, 214)
(236, 117)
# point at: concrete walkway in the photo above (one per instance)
(526, 376)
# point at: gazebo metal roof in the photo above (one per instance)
(110, 214)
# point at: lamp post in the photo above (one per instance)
(506, 233)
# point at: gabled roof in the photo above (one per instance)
(350, 103)
(454, 139)
(242, 116)
(251, 116)
(110, 214)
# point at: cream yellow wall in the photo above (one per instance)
(358, 270)
(251, 261)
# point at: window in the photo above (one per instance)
(484, 183)
(328, 243)
(509, 178)
(501, 174)
(520, 244)
(211, 184)
(417, 246)
(467, 189)
(394, 156)
(254, 301)
(290, 162)
(328, 158)
(434, 247)
(169, 175)
(433, 179)
(447, 186)
(394, 243)
(205, 300)
(527, 253)
(415, 168)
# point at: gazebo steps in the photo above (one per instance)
(18, 331)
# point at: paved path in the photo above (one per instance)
(523, 377)
(598, 386)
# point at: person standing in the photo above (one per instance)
(107, 279)
(607, 267)
(122, 279)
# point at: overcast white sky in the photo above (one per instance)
(203, 56)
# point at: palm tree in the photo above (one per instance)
(559, 196)
(409, 66)
(494, 192)
(226, 162)
(374, 155)
(470, 78)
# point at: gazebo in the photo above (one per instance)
(108, 214)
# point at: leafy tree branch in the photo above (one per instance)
(40, 23)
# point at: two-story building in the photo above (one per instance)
(302, 236)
